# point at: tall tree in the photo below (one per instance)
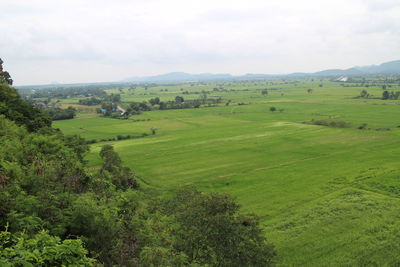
(4, 75)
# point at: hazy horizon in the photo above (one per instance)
(102, 41)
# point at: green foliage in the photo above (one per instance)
(364, 94)
(179, 99)
(385, 94)
(15, 109)
(65, 92)
(4, 75)
(329, 123)
(122, 177)
(154, 101)
(160, 256)
(78, 144)
(211, 231)
(61, 114)
(136, 108)
(41, 249)
(90, 101)
(390, 95)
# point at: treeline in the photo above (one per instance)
(61, 114)
(120, 137)
(393, 95)
(386, 95)
(181, 103)
(93, 101)
(112, 109)
(330, 123)
(66, 92)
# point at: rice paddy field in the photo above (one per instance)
(327, 196)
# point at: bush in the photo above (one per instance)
(41, 250)
(335, 124)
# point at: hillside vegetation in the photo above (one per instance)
(56, 211)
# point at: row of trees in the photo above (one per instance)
(394, 95)
(390, 95)
(66, 92)
(61, 114)
(112, 109)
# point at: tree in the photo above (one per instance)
(309, 90)
(154, 101)
(385, 95)
(264, 92)
(203, 97)
(14, 108)
(122, 177)
(179, 99)
(272, 109)
(211, 231)
(4, 75)
(61, 114)
(364, 94)
(163, 105)
(110, 157)
(78, 144)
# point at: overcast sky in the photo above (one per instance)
(72, 41)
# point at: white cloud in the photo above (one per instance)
(98, 40)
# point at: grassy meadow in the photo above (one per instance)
(327, 196)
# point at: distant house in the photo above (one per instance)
(342, 79)
(117, 109)
(123, 111)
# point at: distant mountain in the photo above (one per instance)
(392, 67)
(337, 72)
(179, 76)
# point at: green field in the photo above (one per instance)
(327, 196)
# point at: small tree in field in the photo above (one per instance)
(264, 92)
(385, 95)
(364, 94)
(272, 109)
(179, 99)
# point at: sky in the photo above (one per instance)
(74, 41)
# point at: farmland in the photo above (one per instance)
(326, 195)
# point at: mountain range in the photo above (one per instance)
(387, 68)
